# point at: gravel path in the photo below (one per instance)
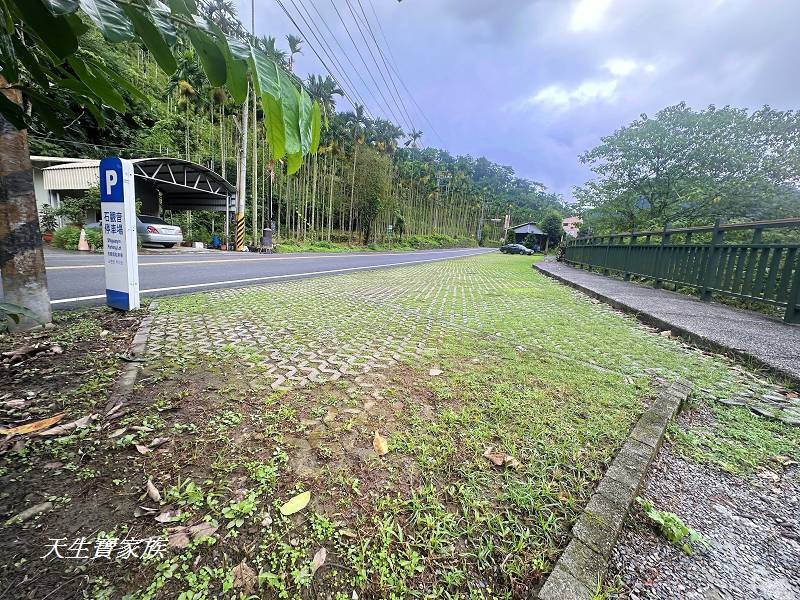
(752, 524)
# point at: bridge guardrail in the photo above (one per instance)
(729, 259)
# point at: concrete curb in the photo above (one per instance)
(654, 321)
(126, 380)
(585, 560)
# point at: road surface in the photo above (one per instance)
(79, 279)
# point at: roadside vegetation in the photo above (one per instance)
(414, 432)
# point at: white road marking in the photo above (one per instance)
(230, 260)
(268, 277)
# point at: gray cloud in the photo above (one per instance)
(477, 67)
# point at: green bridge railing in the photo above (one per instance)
(752, 261)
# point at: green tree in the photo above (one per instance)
(551, 226)
(372, 184)
(689, 167)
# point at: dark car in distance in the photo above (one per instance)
(515, 249)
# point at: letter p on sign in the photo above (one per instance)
(111, 181)
(111, 184)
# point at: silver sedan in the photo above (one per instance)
(152, 230)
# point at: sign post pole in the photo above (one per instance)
(118, 208)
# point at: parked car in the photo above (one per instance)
(152, 230)
(515, 249)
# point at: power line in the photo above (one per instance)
(404, 109)
(369, 72)
(344, 52)
(393, 64)
(330, 54)
(374, 60)
(324, 64)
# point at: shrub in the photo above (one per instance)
(47, 220)
(67, 237)
(95, 239)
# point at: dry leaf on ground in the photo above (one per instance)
(435, 372)
(244, 578)
(153, 492)
(35, 426)
(319, 559)
(380, 444)
(502, 460)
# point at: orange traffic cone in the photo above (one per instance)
(82, 243)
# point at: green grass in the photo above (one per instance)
(737, 441)
(529, 368)
(404, 244)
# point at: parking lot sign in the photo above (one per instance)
(118, 225)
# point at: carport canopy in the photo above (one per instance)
(184, 185)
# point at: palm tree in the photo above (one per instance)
(294, 48)
(356, 122)
(279, 56)
(223, 13)
(413, 137)
(185, 94)
(323, 91)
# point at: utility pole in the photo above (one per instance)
(241, 175)
(22, 270)
(256, 233)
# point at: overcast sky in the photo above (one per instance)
(533, 83)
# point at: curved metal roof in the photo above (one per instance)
(184, 185)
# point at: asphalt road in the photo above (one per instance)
(79, 279)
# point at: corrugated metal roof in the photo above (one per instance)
(527, 228)
(72, 176)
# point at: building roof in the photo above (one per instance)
(527, 228)
(184, 184)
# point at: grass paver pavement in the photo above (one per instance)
(257, 394)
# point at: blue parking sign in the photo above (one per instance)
(118, 225)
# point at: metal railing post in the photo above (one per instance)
(712, 264)
(608, 249)
(631, 241)
(660, 256)
(792, 314)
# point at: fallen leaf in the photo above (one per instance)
(35, 426)
(141, 511)
(244, 577)
(153, 492)
(67, 427)
(296, 504)
(435, 372)
(380, 444)
(158, 442)
(117, 432)
(202, 530)
(666, 333)
(783, 460)
(167, 516)
(142, 449)
(178, 540)
(502, 460)
(319, 559)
